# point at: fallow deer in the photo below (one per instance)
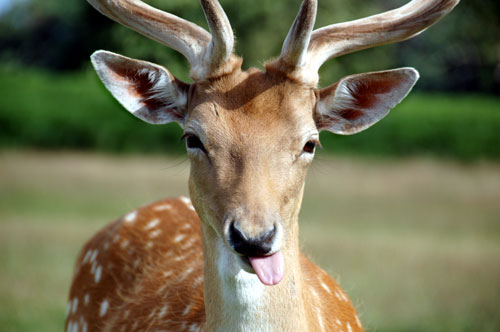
(230, 261)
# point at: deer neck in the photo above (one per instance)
(235, 300)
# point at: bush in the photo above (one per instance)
(463, 127)
(74, 111)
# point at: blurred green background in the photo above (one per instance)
(405, 215)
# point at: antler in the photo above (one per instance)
(343, 38)
(206, 52)
(295, 47)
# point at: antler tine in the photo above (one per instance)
(297, 41)
(221, 45)
(204, 52)
(392, 26)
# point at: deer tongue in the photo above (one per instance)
(269, 269)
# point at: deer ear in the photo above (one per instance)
(356, 102)
(146, 90)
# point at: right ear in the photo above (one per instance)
(146, 90)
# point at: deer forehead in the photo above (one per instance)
(251, 106)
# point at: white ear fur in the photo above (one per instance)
(357, 102)
(146, 90)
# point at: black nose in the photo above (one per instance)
(252, 247)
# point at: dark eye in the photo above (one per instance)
(193, 142)
(309, 147)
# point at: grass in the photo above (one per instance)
(415, 243)
(74, 111)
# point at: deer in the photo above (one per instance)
(228, 258)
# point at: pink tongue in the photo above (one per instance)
(269, 269)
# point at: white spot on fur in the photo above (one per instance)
(72, 326)
(152, 224)
(130, 218)
(344, 296)
(86, 299)
(94, 255)
(326, 287)
(180, 258)
(124, 243)
(126, 314)
(188, 244)
(162, 207)
(162, 289)
(84, 325)
(339, 323)
(198, 280)
(179, 238)
(349, 328)
(75, 305)
(149, 245)
(94, 265)
(163, 311)
(87, 256)
(151, 315)
(68, 308)
(320, 319)
(358, 321)
(104, 308)
(315, 294)
(338, 295)
(116, 238)
(188, 202)
(194, 328)
(167, 274)
(186, 226)
(155, 233)
(188, 309)
(186, 273)
(98, 272)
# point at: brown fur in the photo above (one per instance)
(137, 293)
(253, 176)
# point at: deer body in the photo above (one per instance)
(145, 272)
(230, 260)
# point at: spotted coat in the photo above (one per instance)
(144, 272)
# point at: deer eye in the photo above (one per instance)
(193, 142)
(310, 146)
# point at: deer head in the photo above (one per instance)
(251, 135)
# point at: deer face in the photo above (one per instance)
(250, 137)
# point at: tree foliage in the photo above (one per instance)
(461, 53)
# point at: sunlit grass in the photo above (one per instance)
(415, 243)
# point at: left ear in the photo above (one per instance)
(357, 102)
(148, 91)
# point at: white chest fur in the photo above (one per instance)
(244, 298)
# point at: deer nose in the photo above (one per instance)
(256, 246)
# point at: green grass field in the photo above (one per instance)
(415, 243)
